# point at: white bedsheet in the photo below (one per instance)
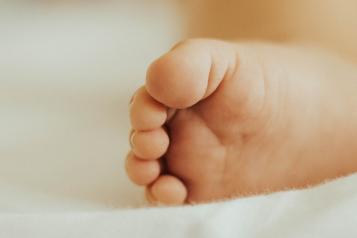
(325, 211)
(66, 75)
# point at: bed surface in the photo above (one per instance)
(66, 76)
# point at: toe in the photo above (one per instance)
(149, 144)
(142, 172)
(145, 112)
(168, 190)
(172, 78)
(189, 72)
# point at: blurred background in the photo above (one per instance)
(68, 68)
(325, 23)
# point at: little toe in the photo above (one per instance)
(142, 172)
(149, 144)
(145, 112)
(167, 190)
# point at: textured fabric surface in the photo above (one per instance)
(66, 76)
(325, 211)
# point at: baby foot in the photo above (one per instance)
(219, 120)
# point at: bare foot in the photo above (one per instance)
(219, 120)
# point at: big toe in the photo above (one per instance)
(189, 72)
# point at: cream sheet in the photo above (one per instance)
(66, 75)
(325, 211)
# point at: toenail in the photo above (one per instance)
(149, 197)
(132, 139)
(132, 99)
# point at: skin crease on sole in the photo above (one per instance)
(218, 120)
